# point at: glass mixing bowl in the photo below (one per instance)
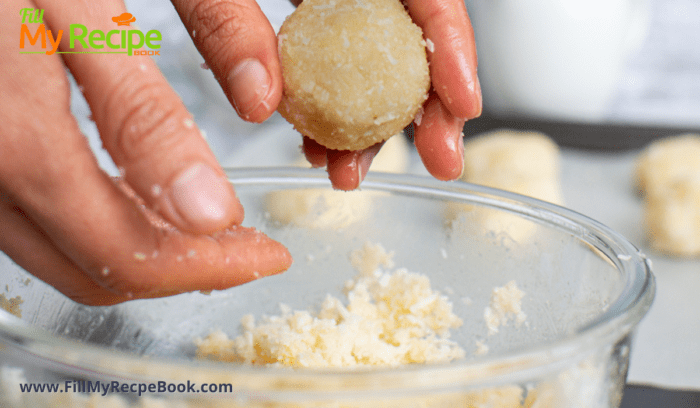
(586, 288)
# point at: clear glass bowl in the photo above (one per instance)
(586, 288)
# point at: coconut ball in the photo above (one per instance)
(355, 71)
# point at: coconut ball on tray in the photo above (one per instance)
(355, 71)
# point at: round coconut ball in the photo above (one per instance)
(355, 71)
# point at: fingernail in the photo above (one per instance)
(203, 199)
(345, 169)
(248, 84)
(365, 160)
(363, 164)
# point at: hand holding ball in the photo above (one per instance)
(355, 71)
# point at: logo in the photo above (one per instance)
(125, 19)
(117, 41)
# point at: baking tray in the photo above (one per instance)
(639, 396)
(588, 136)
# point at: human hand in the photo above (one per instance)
(454, 98)
(239, 45)
(67, 222)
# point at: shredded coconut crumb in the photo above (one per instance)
(370, 258)
(11, 305)
(156, 190)
(419, 117)
(481, 348)
(390, 318)
(346, 41)
(280, 39)
(443, 252)
(505, 304)
(429, 45)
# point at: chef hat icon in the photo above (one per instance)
(125, 19)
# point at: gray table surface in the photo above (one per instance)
(665, 350)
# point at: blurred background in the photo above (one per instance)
(601, 77)
(601, 74)
(616, 83)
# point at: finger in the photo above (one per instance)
(315, 152)
(452, 55)
(146, 128)
(347, 169)
(438, 140)
(29, 248)
(239, 45)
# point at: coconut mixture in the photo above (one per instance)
(388, 318)
(11, 305)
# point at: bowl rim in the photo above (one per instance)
(614, 323)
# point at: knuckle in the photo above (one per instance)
(218, 21)
(149, 115)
